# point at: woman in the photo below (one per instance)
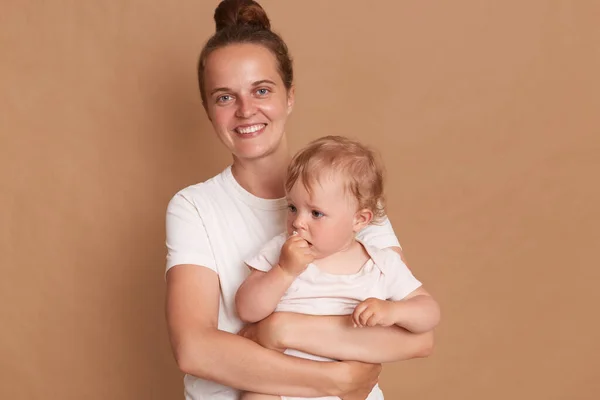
(246, 84)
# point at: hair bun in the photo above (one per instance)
(241, 12)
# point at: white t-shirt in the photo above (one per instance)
(217, 224)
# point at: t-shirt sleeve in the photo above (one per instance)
(379, 235)
(187, 241)
(268, 256)
(400, 282)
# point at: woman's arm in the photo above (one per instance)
(336, 337)
(259, 294)
(192, 305)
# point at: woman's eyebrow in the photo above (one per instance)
(221, 89)
(263, 81)
(257, 83)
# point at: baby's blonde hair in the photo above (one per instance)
(358, 166)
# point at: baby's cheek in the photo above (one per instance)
(288, 227)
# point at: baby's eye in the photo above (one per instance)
(317, 214)
(292, 208)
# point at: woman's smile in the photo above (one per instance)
(250, 131)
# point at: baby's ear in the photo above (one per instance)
(362, 218)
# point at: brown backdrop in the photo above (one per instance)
(486, 114)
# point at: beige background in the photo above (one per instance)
(486, 114)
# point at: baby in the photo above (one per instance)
(334, 188)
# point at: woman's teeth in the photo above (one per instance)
(250, 129)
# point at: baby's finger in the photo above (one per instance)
(373, 320)
(356, 314)
(296, 242)
(307, 250)
(364, 316)
(301, 243)
(295, 238)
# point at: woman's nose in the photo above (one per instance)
(245, 107)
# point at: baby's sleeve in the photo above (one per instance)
(400, 282)
(268, 256)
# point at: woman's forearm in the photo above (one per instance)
(336, 337)
(234, 361)
(200, 349)
(258, 296)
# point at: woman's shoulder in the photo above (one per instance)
(207, 189)
(200, 198)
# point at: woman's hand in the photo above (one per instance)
(267, 333)
(357, 379)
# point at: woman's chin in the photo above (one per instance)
(255, 150)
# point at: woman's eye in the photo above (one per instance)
(223, 99)
(317, 214)
(292, 208)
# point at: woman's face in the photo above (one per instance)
(246, 99)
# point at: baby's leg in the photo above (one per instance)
(258, 396)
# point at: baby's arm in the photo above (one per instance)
(259, 294)
(418, 312)
(409, 306)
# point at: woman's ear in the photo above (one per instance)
(362, 218)
(206, 110)
(291, 98)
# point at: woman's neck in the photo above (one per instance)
(263, 177)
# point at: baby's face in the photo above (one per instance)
(324, 217)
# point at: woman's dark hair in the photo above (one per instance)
(245, 21)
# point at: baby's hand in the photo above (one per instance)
(295, 255)
(372, 312)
